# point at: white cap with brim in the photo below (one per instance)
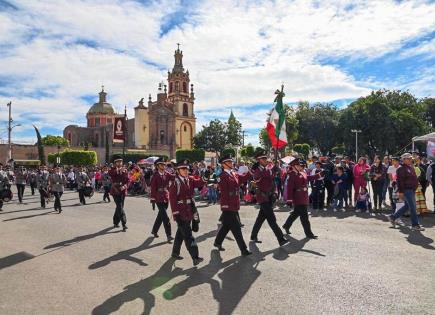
(406, 156)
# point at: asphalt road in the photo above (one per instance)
(76, 263)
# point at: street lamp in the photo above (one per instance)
(356, 131)
(58, 156)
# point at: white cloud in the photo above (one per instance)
(237, 53)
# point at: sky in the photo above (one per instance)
(56, 54)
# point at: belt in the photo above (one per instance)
(162, 190)
(301, 189)
(184, 202)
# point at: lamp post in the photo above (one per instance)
(356, 131)
(10, 127)
(58, 156)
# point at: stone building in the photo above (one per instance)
(161, 127)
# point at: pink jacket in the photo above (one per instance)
(358, 173)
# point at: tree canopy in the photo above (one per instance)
(54, 140)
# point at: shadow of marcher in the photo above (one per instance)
(292, 247)
(128, 254)
(142, 290)
(31, 216)
(82, 238)
(417, 238)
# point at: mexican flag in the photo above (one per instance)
(276, 123)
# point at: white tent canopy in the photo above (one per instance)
(428, 137)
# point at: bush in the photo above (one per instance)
(72, 157)
(195, 155)
(229, 151)
(303, 149)
(339, 149)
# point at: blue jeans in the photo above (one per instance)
(410, 205)
(212, 196)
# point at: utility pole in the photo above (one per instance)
(9, 132)
(356, 131)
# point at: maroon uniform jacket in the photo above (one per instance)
(229, 186)
(265, 184)
(118, 179)
(181, 192)
(159, 187)
(297, 187)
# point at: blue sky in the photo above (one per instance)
(55, 55)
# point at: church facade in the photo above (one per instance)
(161, 126)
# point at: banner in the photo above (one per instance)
(430, 150)
(119, 129)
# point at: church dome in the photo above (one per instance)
(102, 107)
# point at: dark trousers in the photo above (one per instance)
(42, 196)
(162, 217)
(330, 190)
(119, 215)
(106, 193)
(230, 222)
(266, 213)
(390, 195)
(81, 196)
(1, 204)
(20, 191)
(184, 232)
(302, 212)
(349, 194)
(57, 204)
(378, 187)
(32, 188)
(318, 197)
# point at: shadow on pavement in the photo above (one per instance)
(14, 259)
(82, 238)
(128, 254)
(31, 216)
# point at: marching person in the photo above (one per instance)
(119, 183)
(160, 197)
(4, 184)
(42, 180)
(57, 182)
(264, 194)
(32, 181)
(407, 182)
(82, 180)
(105, 181)
(20, 181)
(182, 207)
(297, 195)
(229, 185)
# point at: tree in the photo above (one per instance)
(292, 124)
(40, 145)
(55, 141)
(234, 131)
(429, 109)
(247, 151)
(195, 155)
(229, 151)
(211, 137)
(303, 149)
(264, 139)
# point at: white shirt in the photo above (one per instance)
(392, 170)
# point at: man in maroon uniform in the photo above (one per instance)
(229, 185)
(263, 177)
(181, 192)
(119, 179)
(160, 196)
(297, 195)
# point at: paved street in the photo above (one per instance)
(76, 263)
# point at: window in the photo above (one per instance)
(185, 128)
(184, 87)
(185, 110)
(97, 122)
(171, 87)
(97, 138)
(177, 86)
(162, 137)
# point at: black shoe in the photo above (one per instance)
(60, 210)
(246, 252)
(313, 237)
(286, 229)
(170, 239)
(219, 247)
(155, 235)
(283, 242)
(197, 260)
(124, 228)
(255, 240)
(116, 226)
(177, 257)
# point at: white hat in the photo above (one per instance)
(406, 156)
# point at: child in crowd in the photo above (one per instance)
(339, 180)
(363, 201)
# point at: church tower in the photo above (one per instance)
(182, 96)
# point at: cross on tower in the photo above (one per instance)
(178, 46)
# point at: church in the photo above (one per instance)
(159, 127)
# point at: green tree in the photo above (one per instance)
(429, 110)
(229, 151)
(210, 137)
(247, 151)
(234, 131)
(303, 149)
(195, 155)
(55, 140)
(264, 139)
(292, 124)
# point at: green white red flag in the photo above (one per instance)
(276, 128)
